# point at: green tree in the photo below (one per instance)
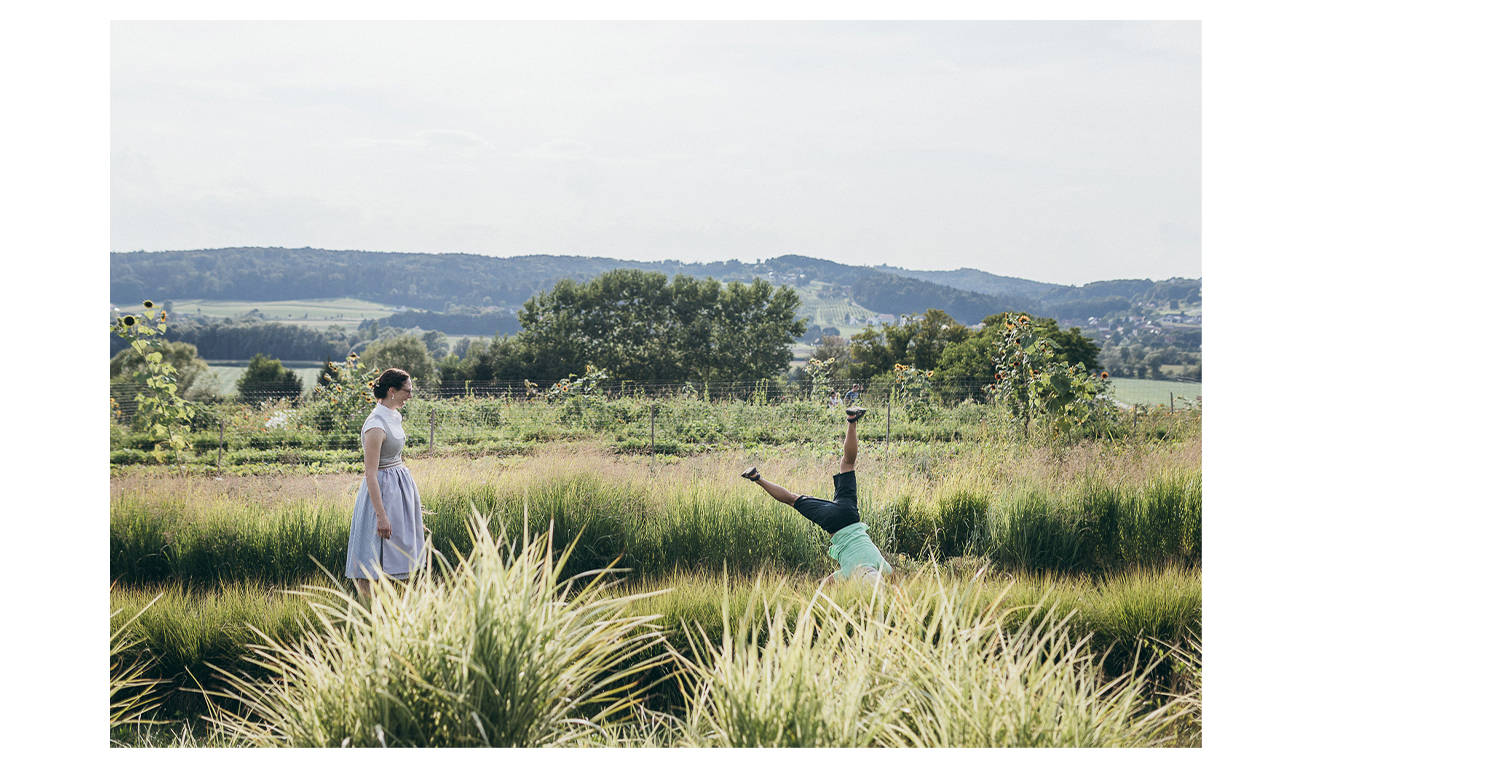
(1154, 362)
(265, 378)
(919, 344)
(499, 359)
(639, 326)
(437, 344)
(407, 352)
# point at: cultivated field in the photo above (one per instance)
(831, 311)
(1047, 593)
(310, 311)
(1152, 392)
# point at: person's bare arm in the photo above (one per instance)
(374, 437)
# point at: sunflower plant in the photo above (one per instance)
(579, 393)
(163, 413)
(1033, 382)
(342, 397)
(820, 373)
(913, 390)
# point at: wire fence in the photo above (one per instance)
(632, 417)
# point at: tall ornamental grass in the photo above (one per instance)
(502, 652)
(937, 667)
(131, 688)
(189, 628)
(660, 522)
(181, 630)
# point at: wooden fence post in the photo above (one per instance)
(653, 429)
(1171, 402)
(221, 444)
(888, 423)
(431, 429)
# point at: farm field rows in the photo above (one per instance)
(825, 310)
(308, 432)
(1103, 535)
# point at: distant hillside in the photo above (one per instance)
(977, 281)
(435, 282)
(422, 280)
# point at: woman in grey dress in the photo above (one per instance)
(387, 531)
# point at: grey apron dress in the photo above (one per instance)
(402, 553)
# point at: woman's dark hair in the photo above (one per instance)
(390, 379)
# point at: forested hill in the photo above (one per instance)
(433, 281)
(978, 281)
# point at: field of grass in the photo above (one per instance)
(1152, 392)
(226, 375)
(320, 311)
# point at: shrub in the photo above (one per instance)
(128, 457)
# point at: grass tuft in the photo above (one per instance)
(502, 653)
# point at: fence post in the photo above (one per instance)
(1171, 402)
(888, 423)
(653, 429)
(221, 444)
(431, 429)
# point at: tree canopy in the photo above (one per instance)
(641, 326)
(407, 352)
(918, 343)
(961, 358)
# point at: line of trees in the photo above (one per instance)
(961, 359)
(484, 324)
(245, 339)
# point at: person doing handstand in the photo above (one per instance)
(856, 554)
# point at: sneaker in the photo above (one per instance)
(751, 473)
(855, 412)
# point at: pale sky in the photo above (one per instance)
(1062, 152)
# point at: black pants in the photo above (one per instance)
(833, 515)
